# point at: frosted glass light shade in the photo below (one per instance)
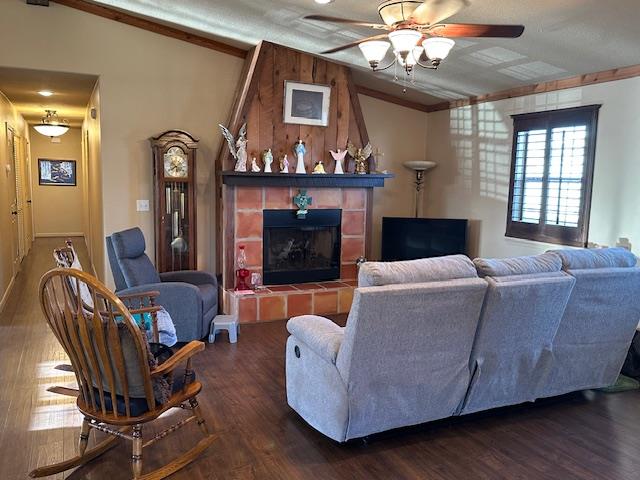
(437, 48)
(404, 40)
(374, 50)
(51, 130)
(412, 57)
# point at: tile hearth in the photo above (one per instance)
(284, 301)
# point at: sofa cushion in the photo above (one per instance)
(128, 243)
(209, 295)
(501, 267)
(580, 259)
(375, 274)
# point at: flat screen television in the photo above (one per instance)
(412, 238)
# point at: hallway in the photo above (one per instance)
(580, 436)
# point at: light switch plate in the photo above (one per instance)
(142, 205)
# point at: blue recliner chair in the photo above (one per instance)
(190, 297)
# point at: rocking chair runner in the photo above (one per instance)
(120, 385)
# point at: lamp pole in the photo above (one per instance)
(419, 166)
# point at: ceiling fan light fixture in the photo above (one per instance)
(437, 48)
(404, 40)
(374, 51)
(51, 125)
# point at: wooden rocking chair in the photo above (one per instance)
(121, 387)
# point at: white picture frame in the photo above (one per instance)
(306, 103)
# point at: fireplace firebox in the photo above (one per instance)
(297, 250)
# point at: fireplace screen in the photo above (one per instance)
(301, 250)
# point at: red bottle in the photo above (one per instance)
(242, 274)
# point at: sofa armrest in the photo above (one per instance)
(319, 333)
(173, 296)
(194, 277)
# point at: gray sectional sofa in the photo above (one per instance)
(432, 338)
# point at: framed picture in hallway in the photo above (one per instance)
(306, 103)
(57, 172)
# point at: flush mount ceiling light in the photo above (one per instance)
(45, 93)
(415, 30)
(51, 125)
(323, 2)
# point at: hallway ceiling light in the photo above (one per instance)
(51, 125)
(45, 93)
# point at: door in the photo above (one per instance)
(13, 202)
(25, 158)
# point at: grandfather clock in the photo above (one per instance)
(174, 173)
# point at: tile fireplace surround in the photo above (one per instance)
(284, 301)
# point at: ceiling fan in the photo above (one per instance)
(415, 28)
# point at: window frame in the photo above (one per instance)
(547, 120)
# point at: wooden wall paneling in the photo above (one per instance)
(279, 76)
(291, 63)
(331, 132)
(319, 150)
(265, 99)
(344, 107)
(306, 64)
(253, 130)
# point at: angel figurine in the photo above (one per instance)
(284, 164)
(267, 159)
(319, 168)
(254, 165)
(238, 148)
(299, 149)
(339, 158)
(360, 156)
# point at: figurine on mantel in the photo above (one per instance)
(339, 158)
(284, 164)
(299, 149)
(254, 165)
(319, 168)
(237, 148)
(267, 159)
(360, 156)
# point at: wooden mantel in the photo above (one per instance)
(328, 180)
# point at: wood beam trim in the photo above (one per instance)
(545, 87)
(386, 97)
(151, 26)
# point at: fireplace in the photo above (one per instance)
(297, 250)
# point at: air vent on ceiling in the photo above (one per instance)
(42, 3)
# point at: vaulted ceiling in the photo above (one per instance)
(562, 38)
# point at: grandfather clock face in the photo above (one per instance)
(176, 163)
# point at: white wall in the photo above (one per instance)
(472, 146)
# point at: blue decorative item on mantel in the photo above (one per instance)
(302, 201)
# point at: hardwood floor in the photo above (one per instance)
(580, 436)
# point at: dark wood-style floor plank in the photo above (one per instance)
(587, 436)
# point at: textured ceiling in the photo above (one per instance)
(71, 93)
(562, 37)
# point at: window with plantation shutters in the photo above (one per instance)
(551, 175)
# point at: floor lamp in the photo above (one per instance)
(419, 166)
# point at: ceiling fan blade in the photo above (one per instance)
(323, 18)
(354, 44)
(475, 30)
(434, 11)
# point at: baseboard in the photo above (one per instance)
(67, 234)
(7, 292)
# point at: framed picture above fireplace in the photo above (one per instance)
(306, 103)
